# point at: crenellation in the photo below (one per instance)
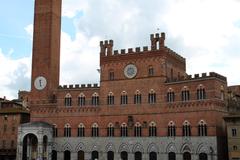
(70, 86)
(106, 48)
(89, 85)
(145, 48)
(77, 86)
(123, 51)
(196, 75)
(83, 85)
(115, 52)
(204, 75)
(130, 50)
(137, 49)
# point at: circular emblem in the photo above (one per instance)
(40, 83)
(130, 71)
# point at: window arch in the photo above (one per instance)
(185, 94)
(95, 130)
(81, 99)
(111, 75)
(137, 97)
(55, 130)
(171, 129)
(68, 100)
(137, 130)
(202, 128)
(81, 130)
(95, 99)
(110, 130)
(124, 98)
(186, 129)
(124, 130)
(152, 129)
(110, 98)
(67, 130)
(201, 94)
(222, 93)
(150, 71)
(170, 95)
(152, 97)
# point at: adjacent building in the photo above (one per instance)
(12, 114)
(145, 107)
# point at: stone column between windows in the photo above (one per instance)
(74, 155)
(60, 155)
(87, 155)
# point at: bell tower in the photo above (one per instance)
(46, 49)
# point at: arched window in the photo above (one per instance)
(81, 130)
(67, 130)
(110, 130)
(111, 75)
(95, 130)
(95, 99)
(185, 94)
(170, 95)
(68, 100)
(110, 99)
(124, 130)
(171, 129)
(222, 93)
(201, 92)
(124, 98)
(171, 156)
(137, 97)
(150, 71)
(137, 130)
(55, 130)
(152, 129)
(186, 129)
(202, 128)
(81, 100)
(152, 97)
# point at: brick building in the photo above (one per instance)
(146, 106)
(12, 114)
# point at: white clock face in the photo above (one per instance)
(130, 71)
(40, 83)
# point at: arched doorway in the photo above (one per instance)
(152, 156)
(80, 155)
(94, 155)
(30, 147)
(124, 155)
(186, 156)
(203, 156)
(171, 156)
(138, 156)
(67, 155)
(54, 155)
(110, 155)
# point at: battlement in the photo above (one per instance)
(157, 43)
(200, 76)
(77, 86)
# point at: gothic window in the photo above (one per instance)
(201, 93)
(171, 129)
(234, 148)
(68, 100)
(185, 94)
(152, 97)
(152, 129)
(81, 100)
(137, 130)
(137, 97)
(111, 75)
(110, 130)
(234, 132)
(55, 130)
(202, 128)
(186, 129)
(124, 98)
(95, 130)
(150, 71)
(95, 99)
(170, 95)
(110, 99)
(67, 130)
(124, 130)
(81, 130)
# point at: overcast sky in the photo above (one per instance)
(205, 32)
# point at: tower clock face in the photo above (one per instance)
(40, 83)
(130, 71)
